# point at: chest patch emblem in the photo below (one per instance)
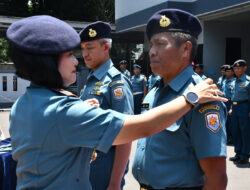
(118, 93)
(213, 122)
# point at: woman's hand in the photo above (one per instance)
(207, 91)
(92, 102)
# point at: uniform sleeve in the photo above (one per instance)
(122, 98)
(207, 130)
(82, 125)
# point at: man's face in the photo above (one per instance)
(123, 66)
(137, 71)
(239, 71)
(93, 53)
(165, 57)
(223, 72)
(229, 74)
(198, 70)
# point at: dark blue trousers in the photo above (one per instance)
(241, 130)
(101, 169)
(137, 103)
(229, 122)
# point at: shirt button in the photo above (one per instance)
(138, 168)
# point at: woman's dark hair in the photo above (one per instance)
(39, 69)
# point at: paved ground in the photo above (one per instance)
(238, 178)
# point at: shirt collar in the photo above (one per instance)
(243, 77)
(180, 80)
(102, 70)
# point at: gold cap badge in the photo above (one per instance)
(237, 64)
(92, 33)
(165, 21)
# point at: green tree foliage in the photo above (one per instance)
(79, 10)
(4, 47)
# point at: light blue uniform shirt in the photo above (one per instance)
(171, 158)
(126, 73)
(227, 87)
(203, 76)
(111, 88)
(138, 82)
(152, 80)
(220, 82)
(241, 88)
(53, 137)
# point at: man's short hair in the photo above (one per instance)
(106, 40)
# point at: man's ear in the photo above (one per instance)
(187, 48)
(106, 46)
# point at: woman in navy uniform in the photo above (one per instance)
(53, 132)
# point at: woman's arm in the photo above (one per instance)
(161, 117)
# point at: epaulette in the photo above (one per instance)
(113, 72)
(64, 92)
(116, 82)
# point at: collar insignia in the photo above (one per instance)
(92, 33)
(165, 21)
(96, 88)
(99, 83)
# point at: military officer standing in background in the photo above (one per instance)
(226, 89)
(139, 83)
(152, 80)
(113, 91)
(123, 68)
(198, 68)
(240, 113)
(222, 78)
(190, 154)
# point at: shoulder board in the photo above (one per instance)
(116, 82)
(113, 72)
(63, 92)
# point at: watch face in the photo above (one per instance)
(192, 97)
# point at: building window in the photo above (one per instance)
(4, 83)
(14, 83)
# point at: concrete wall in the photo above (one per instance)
(215, 34)
(10, 95)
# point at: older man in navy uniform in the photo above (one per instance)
(191, 154)
(113, 91)
(123, 68)
(139, 83)
(240, 113)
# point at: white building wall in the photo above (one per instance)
(10, 95)
(214, 49)
(127, 7)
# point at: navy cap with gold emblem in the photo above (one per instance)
(173, 20)
(240, 63)
(228, 67)
(198, 66)
(39, 34)
(96, 30)
(124, 62)
(137, 66)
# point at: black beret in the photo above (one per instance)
(123, 62)
(95, 30)
(198, 66)
(173, 20)
(228, 67)
(240, 63)
(137, 66)
(43, 35)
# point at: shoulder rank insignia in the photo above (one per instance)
(165, 21)
(95, 93)
(99, 83)
(92, 33)
(64, 92)
(213, 122)
(96, 88)
(116, 82)
(118, 93)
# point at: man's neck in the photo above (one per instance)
(171, 76)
